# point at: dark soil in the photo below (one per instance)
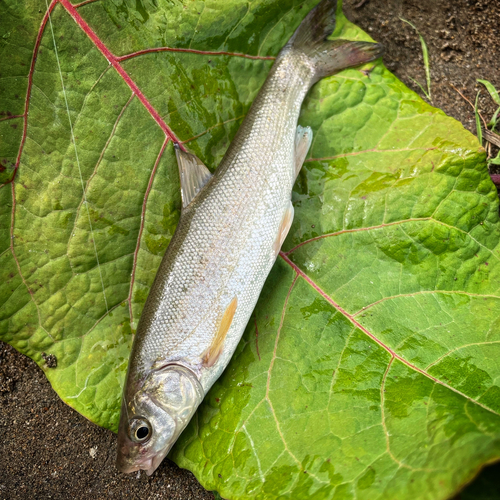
(463, 41)
(47, 450)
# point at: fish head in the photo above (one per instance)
(153, 416)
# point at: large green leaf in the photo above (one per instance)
(370, 368)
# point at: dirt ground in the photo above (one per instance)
(463, 41)
(49, 451)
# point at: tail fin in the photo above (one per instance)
(329, 56)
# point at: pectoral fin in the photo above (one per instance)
(193, 174)
(303, 140)
(212, 354)
(285, 225)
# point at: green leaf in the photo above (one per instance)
(495, 161)
(492, 90)
(369, 369)
(479, 130)
(496, 98)
(494, 119)
(427, 66)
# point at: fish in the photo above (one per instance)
(231, 229)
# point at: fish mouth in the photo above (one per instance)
(123, 466)
(148, 464)
(155, 462)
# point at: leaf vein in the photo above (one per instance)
(303, 275)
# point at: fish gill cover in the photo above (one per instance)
(370, 366)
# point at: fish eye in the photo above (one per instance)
(142, 433)
(140, 430)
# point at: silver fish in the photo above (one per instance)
(232, 226)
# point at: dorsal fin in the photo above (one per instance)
(193, 174)
(213, 352)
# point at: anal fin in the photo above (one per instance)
(303, 140)
(285, 225)
(211, 355)
(193, 174)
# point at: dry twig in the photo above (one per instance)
(360, 4)
(492, 137)
(471, 105)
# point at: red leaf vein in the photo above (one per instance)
(193, 51)
(351, 318)
(10, 117)
(114, 61)
(28, 92)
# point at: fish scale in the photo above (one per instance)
(228, 237)
(240, 210)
